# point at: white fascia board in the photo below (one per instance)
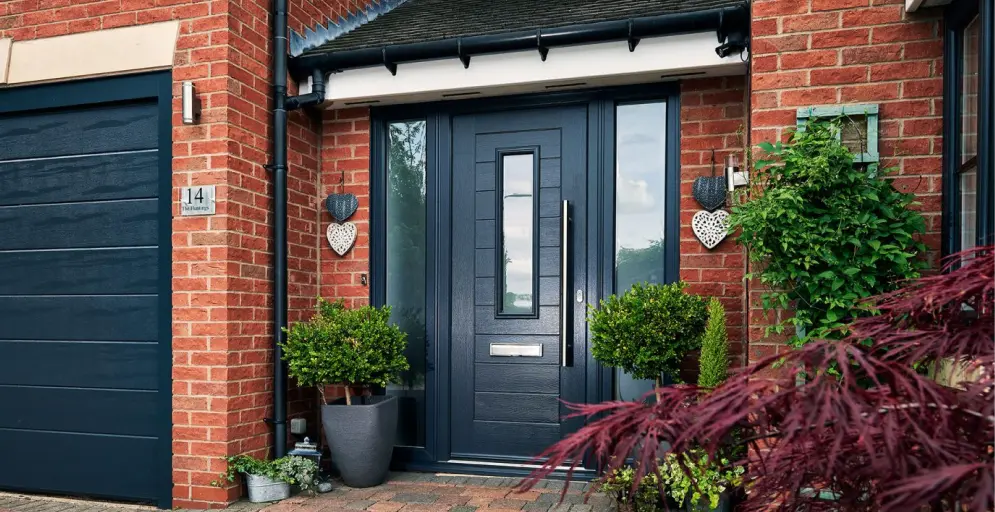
(601, 64)
(912, 5)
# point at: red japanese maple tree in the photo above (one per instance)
(874, 432)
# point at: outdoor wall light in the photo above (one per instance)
(191, 104)
(734, 176)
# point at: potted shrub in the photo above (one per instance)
(713, 363)
(691, 477)
(270, 480)
(355, 348)
(648, 330)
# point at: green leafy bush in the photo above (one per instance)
(713, 364)
(345, 346)
(703, 478)
(291, 469)
(648, 330)
(619, 485)
(826, 233)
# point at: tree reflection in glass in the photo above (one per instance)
(406, 268)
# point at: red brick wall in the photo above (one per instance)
(828, 52)
(222, 339)
(345, 155)
(713, 117)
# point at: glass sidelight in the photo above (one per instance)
(406, 250)
(640, 215)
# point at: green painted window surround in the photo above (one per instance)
(869, 111)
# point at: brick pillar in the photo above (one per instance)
(222, 268)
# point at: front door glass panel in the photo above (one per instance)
(517, 247)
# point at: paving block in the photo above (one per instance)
(413, 497)
(453, 499)
(359, 505)
(386, 506)
(480, 492)
(508, 504)
(537, 506)
(424, 507)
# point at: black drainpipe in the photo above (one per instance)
(281, 104)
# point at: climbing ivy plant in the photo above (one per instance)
(825, 233)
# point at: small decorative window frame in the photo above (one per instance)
(499, 156)
(869, 111)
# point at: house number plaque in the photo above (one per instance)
(197, 200)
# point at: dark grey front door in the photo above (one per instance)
(518, 335)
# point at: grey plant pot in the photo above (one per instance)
(361, 438)
(263, 489)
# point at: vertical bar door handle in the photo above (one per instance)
(565, 303)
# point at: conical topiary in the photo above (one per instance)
(713, 365)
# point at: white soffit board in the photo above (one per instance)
(601, 64)
(98, 53)
(914, 5)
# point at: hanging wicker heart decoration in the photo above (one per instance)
(341, 237)
(341, 206)
(710, 192)
(710, 227)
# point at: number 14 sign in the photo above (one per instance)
(197, 200)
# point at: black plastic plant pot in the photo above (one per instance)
(360, 438)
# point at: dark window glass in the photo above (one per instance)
(406, 268)
(968, 172)
(517, 234)
(968, 207)
(640, 177)
(969, 91)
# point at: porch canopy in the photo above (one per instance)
(421, 50)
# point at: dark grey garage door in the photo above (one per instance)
(84, 288)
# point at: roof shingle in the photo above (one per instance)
(432, 20)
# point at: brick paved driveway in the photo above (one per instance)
(404, 492)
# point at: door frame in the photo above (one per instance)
(600, 103)
(94, 92)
